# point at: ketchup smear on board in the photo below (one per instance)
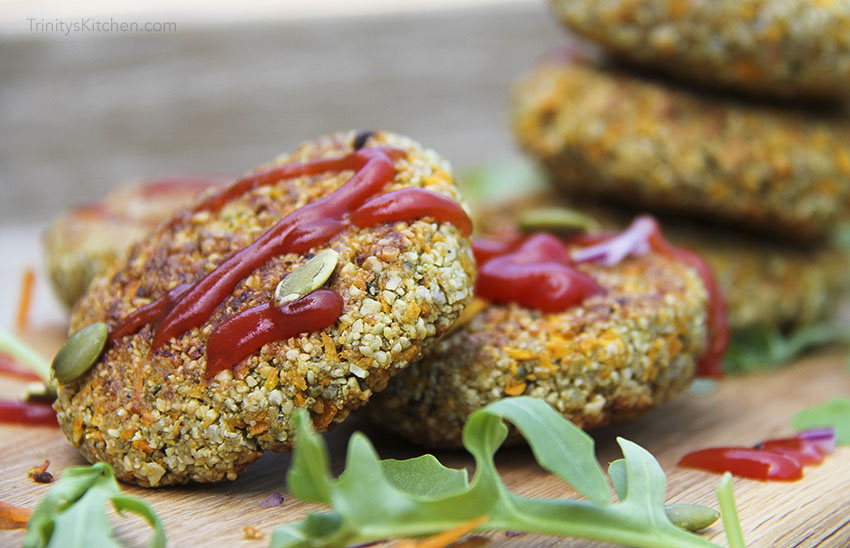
(30, 413)
(354, 203)
(537, 272)
(771, 460)
(10, 366)
(20, 412)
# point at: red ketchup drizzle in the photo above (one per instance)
(644, 234)
(10, 366)
(302, 229)
(354, 161)
(190, 305)
(147, 314)
(19, 412)
(745, 462)
(780, 459)
(411, 203)
(246, 332)
(535, 273)
(485, 249)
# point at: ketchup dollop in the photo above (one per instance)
(535, 272)
(188, 306)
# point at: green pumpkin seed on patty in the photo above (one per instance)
(561, 220)
(307, 278)
(79, 352)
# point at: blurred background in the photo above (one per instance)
(97, 93)
(221, 88)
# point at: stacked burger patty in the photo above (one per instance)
(726, 120)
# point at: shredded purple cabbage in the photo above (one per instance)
(275, 499)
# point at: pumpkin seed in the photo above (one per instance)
(556, 219)
(79, 352)
(38, 391)
(306, 278)
(692, 517)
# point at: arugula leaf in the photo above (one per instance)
(500, 181)
(25, 354)
(558, 445)
(693, 517)
(423, 476)
(373, 499)
(730, 514)
(834, 413)
(72, 513)
(764, 348)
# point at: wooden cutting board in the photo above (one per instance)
(743, 410)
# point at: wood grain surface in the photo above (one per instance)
(743, 410)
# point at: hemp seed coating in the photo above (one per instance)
(158, 421)
(638, 141)
(777, 47)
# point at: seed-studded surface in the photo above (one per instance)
(156, 419)
(609, 359)
(780, 47)
(81, 243)
(634, 140)
(765, 282)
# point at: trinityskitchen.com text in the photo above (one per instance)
(94, 24)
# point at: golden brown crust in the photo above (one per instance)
(765, 282)
(156, 419)
(612, 358)
(80, 244)
(606, 133)
(777, 47)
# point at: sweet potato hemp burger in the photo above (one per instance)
(308, 283)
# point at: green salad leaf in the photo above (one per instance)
(764, 348)
(497, 182)
(693, 517)
(25, 354)
(72, 513)
(834, 413)
(730, 514)
(373, 499)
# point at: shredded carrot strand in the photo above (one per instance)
(13, 517)
(446, 537)
(25, 299)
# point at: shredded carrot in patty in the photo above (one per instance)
(25, 299)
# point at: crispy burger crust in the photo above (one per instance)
(765, 281)
(607, 133)
(610, 359)
(402, 285)
(776, 47)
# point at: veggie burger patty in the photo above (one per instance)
(765, 282)
(155, 414)
(617, 354)
(605, 132)
(779, 47)
(81, 243)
